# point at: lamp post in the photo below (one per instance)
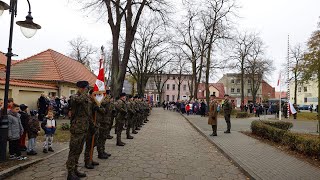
(28, 29)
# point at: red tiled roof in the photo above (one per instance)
(21, 83)
(50, 65)
(218, 86)
(3, 59)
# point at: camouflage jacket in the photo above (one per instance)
(122, 111)
(131, 108)
(81, 113)
(227, 107)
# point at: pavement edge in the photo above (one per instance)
(243, 168)
(14, 169)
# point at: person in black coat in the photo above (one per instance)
(43, 105)
(203, 108)
(24, 117)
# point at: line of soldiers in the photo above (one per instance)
(91, 124)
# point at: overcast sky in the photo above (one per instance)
(62, 21)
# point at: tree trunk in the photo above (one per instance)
(318, 117)
(194, 77)
(242, 82)
(207, 74)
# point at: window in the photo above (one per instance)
(249, 81)
(167, 97)
(249, 91)
(173, 77)
(232, 81)
(305, 100)
(173, 87)
(173, 97)
(232, 90)
(184, 87)
(157, 98)
(238, 90)
(52, 94)
(214, 93)
(238, 81)
(305, 89)
(168, 86)
(72, 92)
(299, 89)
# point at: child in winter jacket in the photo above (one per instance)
(33, 131)
(49, 126)
(15, 131)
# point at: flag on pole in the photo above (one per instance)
(279, 79)
(292, 110)
(99, 88)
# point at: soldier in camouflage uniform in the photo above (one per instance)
(121, 108)
(93, 131)
(103, 124)
(227, 108)
(80, 105)
(131, 114)
(110, 114)
(141, 114)
(135, 116)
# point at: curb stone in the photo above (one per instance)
(12, 170)
(243, 168)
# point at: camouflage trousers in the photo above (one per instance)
(76, 145)
(88, 145)
(130, 124)
(101, 141)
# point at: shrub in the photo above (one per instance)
(279, 124)
(302, 143)
(65, 126)
(242, 115)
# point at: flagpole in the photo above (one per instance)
(280, 98)
(288, 79)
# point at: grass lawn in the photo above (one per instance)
(306, 116)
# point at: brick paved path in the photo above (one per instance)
(167, 147)
(260, 160)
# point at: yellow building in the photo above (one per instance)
(307, 93)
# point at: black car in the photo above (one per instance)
(303, 107)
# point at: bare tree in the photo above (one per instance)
(160, 79)
(149, 53)
(216, 22)
(241, 51)
(296, 60)
(180, 67)
(82, 51)
(123, 18)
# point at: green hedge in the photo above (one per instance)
(242, 115)
(279, 124)
(301, 143)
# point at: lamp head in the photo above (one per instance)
(28, 27)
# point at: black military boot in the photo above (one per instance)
(102, 156)
(94, 163)
(89, 166)
(109, 137)
(72, 176)
(119, 142)
(138, 128)
(107, 154)
(80, 174)
(134, 132)
(129, 136)
(214, 130)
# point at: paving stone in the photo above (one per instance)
(167, 147)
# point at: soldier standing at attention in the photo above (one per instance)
(138, 114)
(80, 123)
(213, 115)
(104, 124)
(131, 114)
(134, 117)
(93, 130)
(121, 108)
(227, 108)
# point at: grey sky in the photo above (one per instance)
(62, 21)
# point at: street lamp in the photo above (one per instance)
(28, 29)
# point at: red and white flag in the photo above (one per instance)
(279, 79)
(292, 110)
(99, 88)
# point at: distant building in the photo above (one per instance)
(232, 86)
(216, 89)
(48, 72)
(170, 87)
(3, 60)
(307, 93)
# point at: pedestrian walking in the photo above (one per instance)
(227, 108)
(213, 115)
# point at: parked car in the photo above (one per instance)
(303, 107)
